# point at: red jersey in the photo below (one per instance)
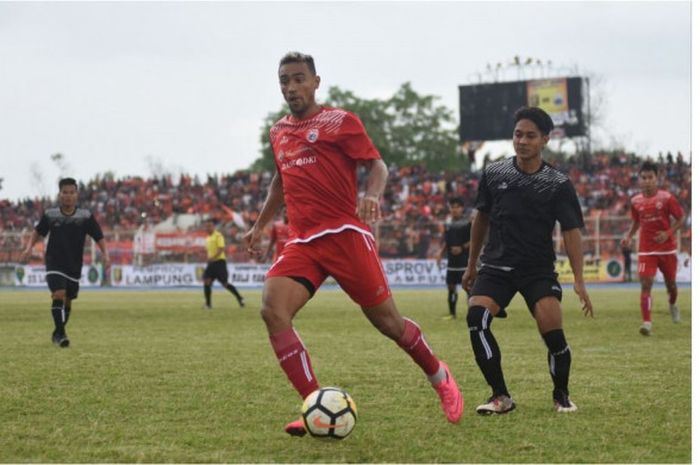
(280, 235)
(654, 215)
(317, 158)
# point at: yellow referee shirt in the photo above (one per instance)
(215, 241)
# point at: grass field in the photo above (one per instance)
(150, 377)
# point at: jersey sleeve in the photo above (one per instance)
(567, 209)
(483, 196)
(42, 227)
(674, 208)
(633, 212)
(93, 229)
(354, 141)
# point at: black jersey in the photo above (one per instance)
(64, 252)
(458, 233)
(523, 209)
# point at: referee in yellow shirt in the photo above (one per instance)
(216, 264)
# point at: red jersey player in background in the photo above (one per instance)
(317, 151)
(652, 210)
(279, 235)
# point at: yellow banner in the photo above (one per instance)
(594, 270)
(549, 94)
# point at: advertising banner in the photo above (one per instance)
(35, 276)
(184, 275)
(594, 270)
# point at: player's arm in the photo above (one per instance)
(27, 252)
(106, 261)
(273, 202)
(574, 250)
(441, 253)
(480, 227)
(627, 239)
(368, 207)
(662, 236)
(271, 244)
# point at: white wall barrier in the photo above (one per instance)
(35, 276)
(409, 272)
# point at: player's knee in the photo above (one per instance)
(58, 295)
(478, 318)
(274, 318)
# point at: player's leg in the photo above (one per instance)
(491, 293)
(223, 279)
(352, 259)
(57, 285)
(207, 280)
(646, 266)
(72, 289)
(668, 264)
(289, 284)
(409, 336)
(452, 297)
(547, 313)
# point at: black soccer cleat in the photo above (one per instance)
(241, 302)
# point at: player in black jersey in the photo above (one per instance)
(456, 245)
(66, 227)
(519, 201)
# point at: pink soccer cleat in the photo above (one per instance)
(450, 396)
(295, 428)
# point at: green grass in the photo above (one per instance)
(150, 377)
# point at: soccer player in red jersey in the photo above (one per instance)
(317, 151)
(652, 210)
(279, 235)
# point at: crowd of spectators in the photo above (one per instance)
(414, 207)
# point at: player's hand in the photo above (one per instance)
(661, 237)
(456, 249)
(468, 278)
(24, 256)
(625, 242)
(368, 209)
(251, 239)
(582, 293)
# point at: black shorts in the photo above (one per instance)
(502, 285)
(454, 276)
(60, 282)
(217, 270)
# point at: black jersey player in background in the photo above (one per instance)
(67, 227)
(519, 201)
(456, 245)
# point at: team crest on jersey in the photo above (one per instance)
(312, 135)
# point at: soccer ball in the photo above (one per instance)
(329, 412)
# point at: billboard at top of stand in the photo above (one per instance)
(486, 110)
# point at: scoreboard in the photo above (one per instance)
(486, 110)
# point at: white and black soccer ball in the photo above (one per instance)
(329, 412)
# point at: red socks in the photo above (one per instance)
(645, 304)
(413, 343)
(294, 360)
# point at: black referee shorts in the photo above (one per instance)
(217, 271)
(60, 282)
(454, 277)
(501, 285)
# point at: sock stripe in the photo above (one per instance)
(305, 365)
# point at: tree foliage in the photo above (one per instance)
(407, 129)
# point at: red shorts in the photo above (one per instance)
(667, 263)
(348, 256)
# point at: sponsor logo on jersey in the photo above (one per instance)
(502, 186)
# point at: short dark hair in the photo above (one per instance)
(298, 57)
(649, 166)
(67, 182)
(457, 200)
(538, 116)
